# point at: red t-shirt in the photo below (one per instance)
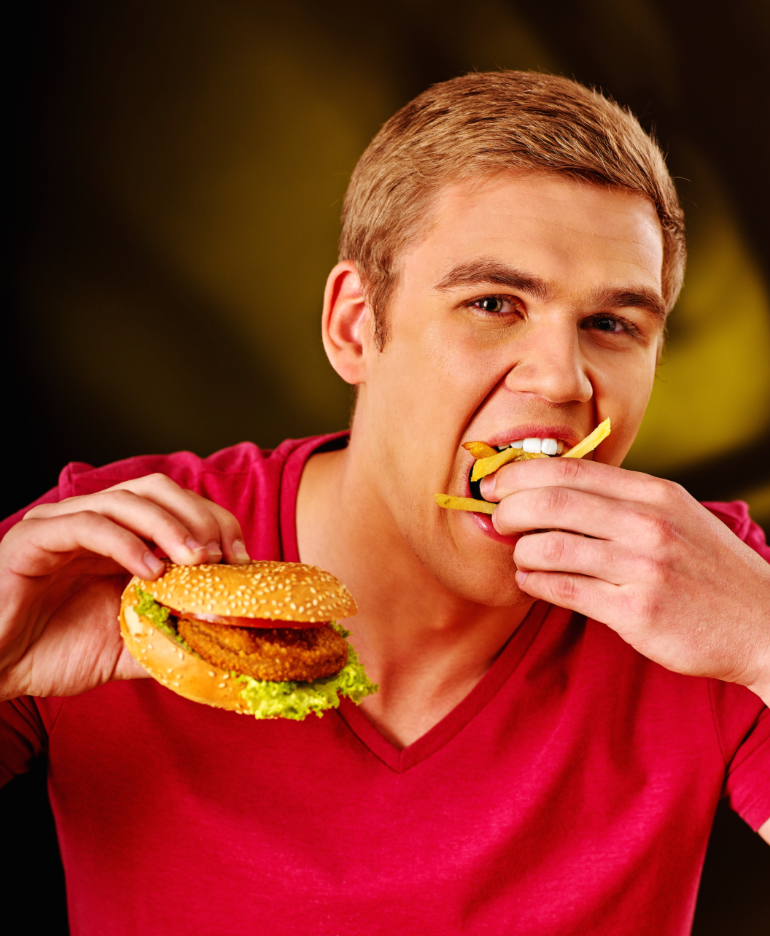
(572, 791)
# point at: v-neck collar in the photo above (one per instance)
(442, 733)
(402, 759)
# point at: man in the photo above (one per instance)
(559, 712)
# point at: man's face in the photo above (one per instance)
(532, 308)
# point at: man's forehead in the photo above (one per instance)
(482, 229)
(523, 191)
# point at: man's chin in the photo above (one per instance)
(482, 570)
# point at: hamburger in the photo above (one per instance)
(259, 639)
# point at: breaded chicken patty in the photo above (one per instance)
(273, 654)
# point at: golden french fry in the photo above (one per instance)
(590, 442)
(464, 503)
(486, 466)
(480, 449)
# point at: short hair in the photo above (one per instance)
(481, 124)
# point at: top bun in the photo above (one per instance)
(278, 591)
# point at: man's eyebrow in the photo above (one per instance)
(476, 272)
(640, 297)
(493, 272)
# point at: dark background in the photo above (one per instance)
(176, 176)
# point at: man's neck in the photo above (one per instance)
(426, 646)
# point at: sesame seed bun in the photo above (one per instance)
(278, 591)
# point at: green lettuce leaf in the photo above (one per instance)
(264, 699)
(149, 608)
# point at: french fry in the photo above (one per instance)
(486, 466)
(590, 442)
(464, 503)
(480, 449)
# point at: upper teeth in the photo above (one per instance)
(533, 445)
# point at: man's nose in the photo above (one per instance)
(553, 367)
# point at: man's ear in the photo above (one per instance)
(347, 323)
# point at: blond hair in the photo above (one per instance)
(484, 123)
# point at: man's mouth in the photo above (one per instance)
(536, 446)
(491, 458)
(532, 445)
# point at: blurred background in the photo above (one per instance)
(177, 170)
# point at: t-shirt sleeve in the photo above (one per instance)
(743, 730)
(742, 721)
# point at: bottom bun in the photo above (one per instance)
(178, 669)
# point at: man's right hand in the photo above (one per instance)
(63, 569)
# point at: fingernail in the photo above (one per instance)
(193, 545)
(521, 577)
(214, 549)
(487, 485)
(239, 551)
(153, 563)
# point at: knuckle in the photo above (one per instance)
(201, 514)
(644, 608)
(656, 529)
(566, 587)
(42, 510)
(650, 568)
(159, 480)
(216, 514)
(91, 521)
(554, 548)
(670, 489)
(569, 469)
(556, 499)
(123, 496)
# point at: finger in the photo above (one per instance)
(39, 546)
(230, 541)
(208, 523)
(562, 508)
(580, 593)
(557, 551)
(138, 514)
(578, 474)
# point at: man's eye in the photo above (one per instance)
(606, 323)
(492, 304)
